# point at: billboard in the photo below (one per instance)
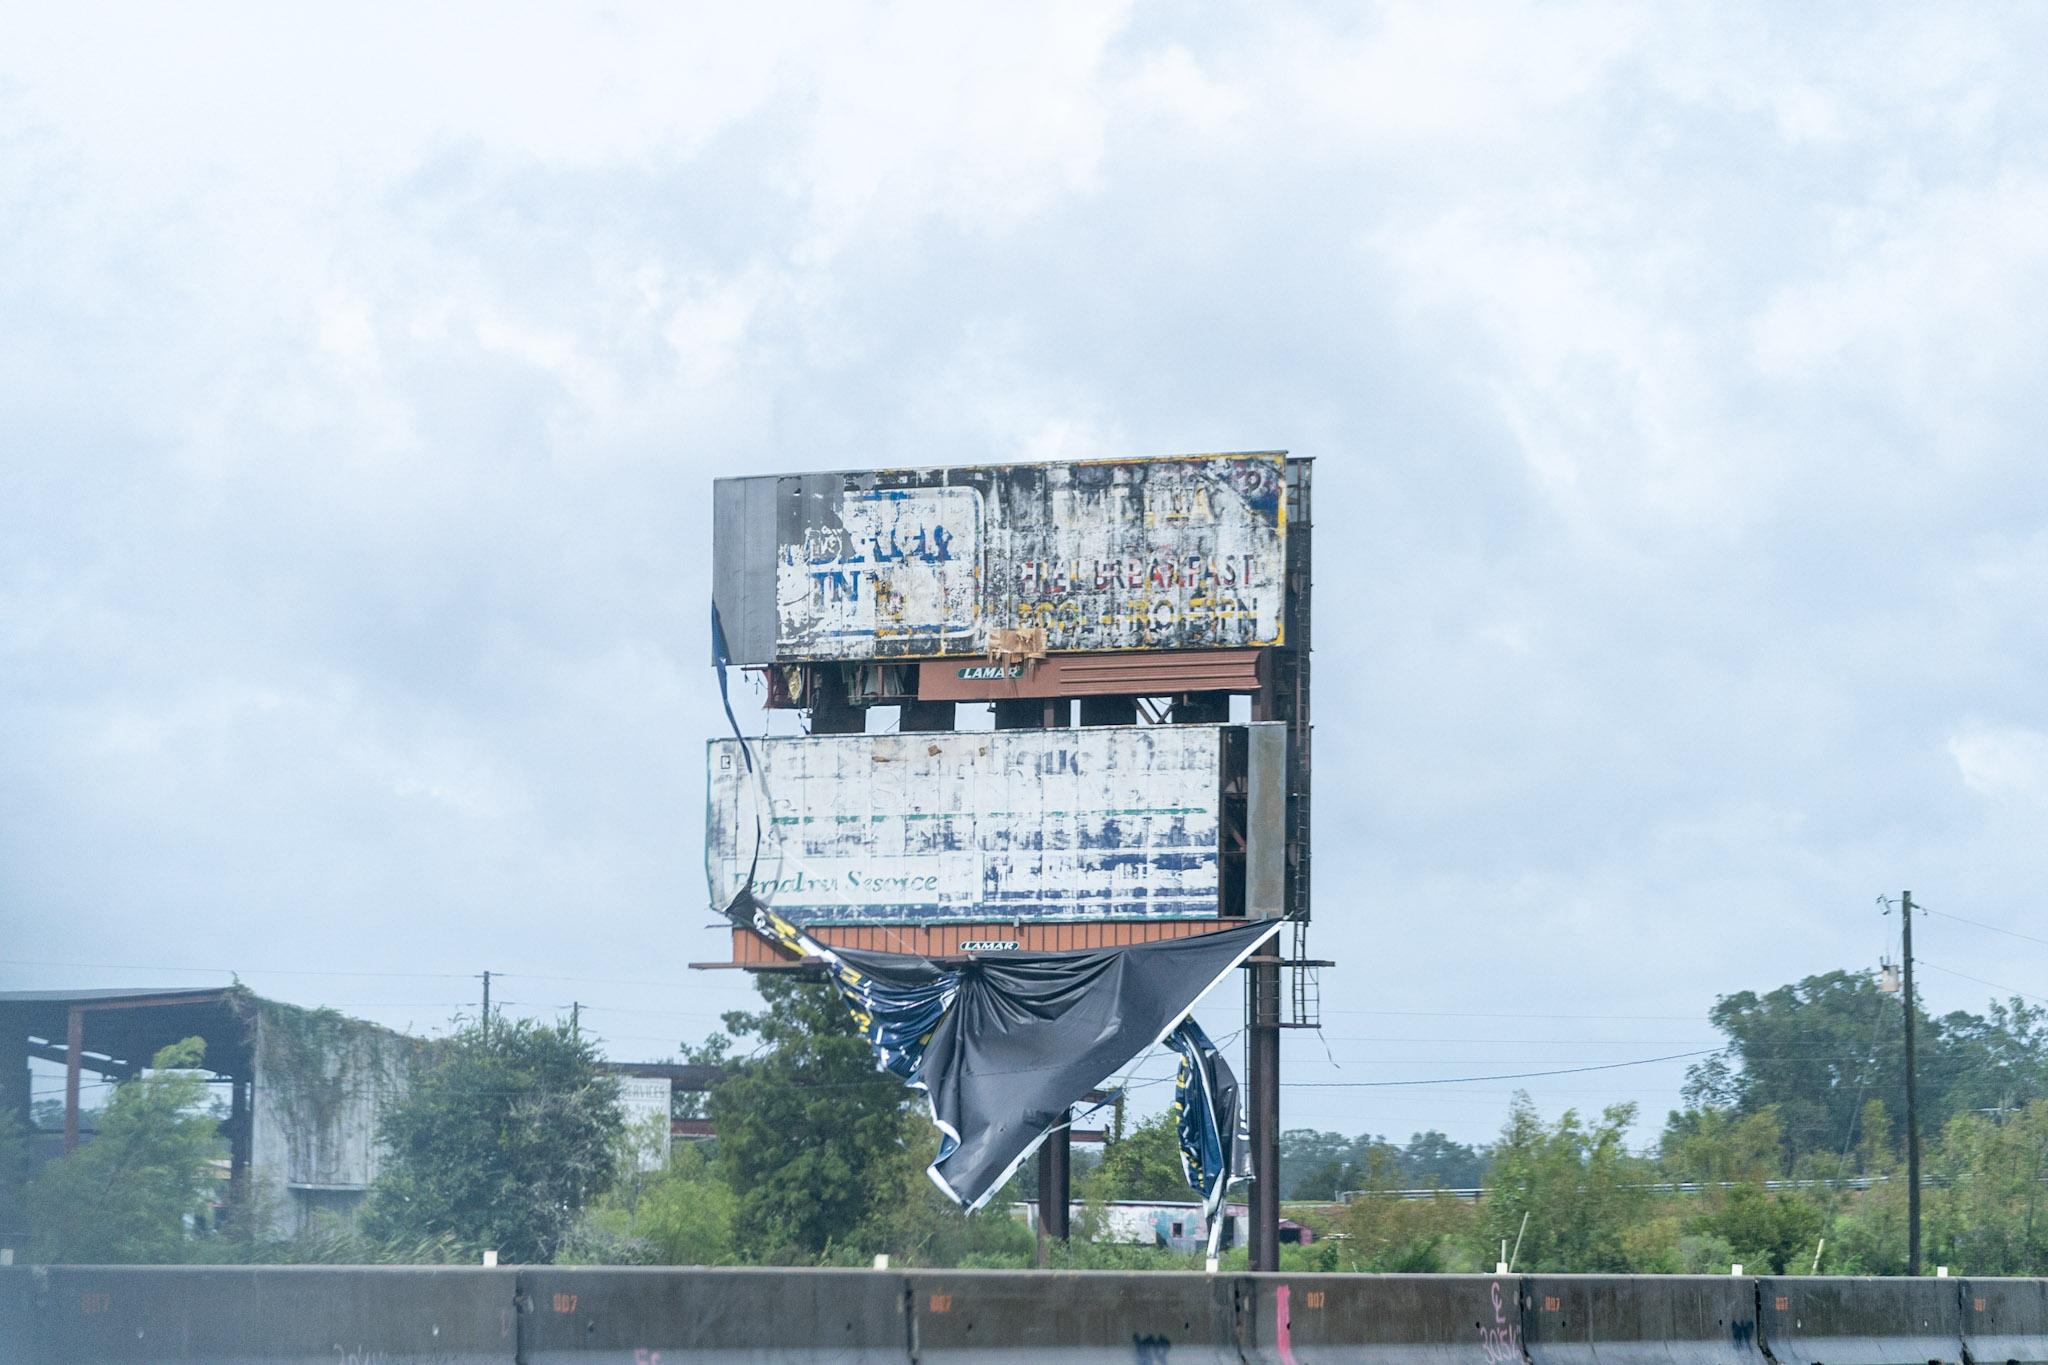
(644, 1102)
(1006, 826)
(1171, 553)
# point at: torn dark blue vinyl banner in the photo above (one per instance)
(1215, 1144)
(1028, 1035)
(897, 999)
(1004, 1047)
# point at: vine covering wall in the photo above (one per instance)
(322, 1083)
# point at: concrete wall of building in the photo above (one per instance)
(323, 1082)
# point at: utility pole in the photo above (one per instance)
(576, 1019)
(486, 1018)
(1912, 1103)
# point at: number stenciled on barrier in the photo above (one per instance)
(1553, 1303)
(1977, 1304)
(1312, 1298)
(941, 1303)
(565, 1303)
(95, 1301)
(1783, 1303)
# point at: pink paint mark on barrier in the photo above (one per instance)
(1283, 1327)
(1502, 1342)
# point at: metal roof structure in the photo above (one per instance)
(103, 994)
(114, 1033)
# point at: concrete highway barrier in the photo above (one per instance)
(2005, 1322)
(277, 1314)
(1849, 1320)
(19, 1325)
(1394, 1319)
(1030, 1317)
(551, 1315)
(1640, 1320)
(670, 1316)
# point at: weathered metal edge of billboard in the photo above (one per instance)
(1152, 553)
(1011, 826)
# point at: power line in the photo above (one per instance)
(1510, 1076)
(1994, 928)
(2011, 990)
(1480, 1014)
(627, 981)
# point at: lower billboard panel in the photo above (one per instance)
(989, 826)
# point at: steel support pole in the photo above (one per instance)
(1262, 1051)
(74, 1055)
(1055, 1154)
(1055, 1184)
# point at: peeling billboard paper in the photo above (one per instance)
(1182, 552)
(1010, 825)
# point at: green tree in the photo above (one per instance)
(1714, 1145)
(14, 1140)
(499, 1142)
(1381, 1232)
(126, 1196)
(1816, 1050)
(683, 1214)
(1316, 1165)
(1867, 1228)
(1769, 1231)
(1576, 1182)
(1324, 1183)
(1144, 1165)
(1306, 1153)
(1731, 1155)
(1433, 1159)
(917, 1225)
(1986, 1217)
(805, 1125)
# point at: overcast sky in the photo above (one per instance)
(1674, 376)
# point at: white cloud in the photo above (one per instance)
(1671, 371)
(2007, 763)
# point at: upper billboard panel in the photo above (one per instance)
(988, 826)
(1175, 553)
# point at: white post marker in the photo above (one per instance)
(490, 1258)
(1941, 1272)
(881, 1260)
(1735, 1269)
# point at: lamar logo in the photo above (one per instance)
(989, 945)
(990, 672)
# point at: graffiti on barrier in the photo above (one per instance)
(1501, 1341)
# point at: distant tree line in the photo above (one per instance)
(511, 1140)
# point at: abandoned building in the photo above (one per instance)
(305, 1087)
